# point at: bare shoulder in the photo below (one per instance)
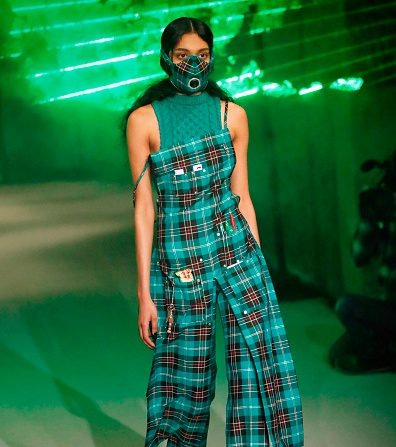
(141, 117)
(143, 122)
(236, 111)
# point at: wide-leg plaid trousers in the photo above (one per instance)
(263, 405)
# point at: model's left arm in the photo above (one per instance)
(239, 128)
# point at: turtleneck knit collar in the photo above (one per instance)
(189, 99)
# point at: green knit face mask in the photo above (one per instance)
(191, 74)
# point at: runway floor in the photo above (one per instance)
(73, 370)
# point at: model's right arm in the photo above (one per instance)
(138, 151)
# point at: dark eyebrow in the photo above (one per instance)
(185, 49)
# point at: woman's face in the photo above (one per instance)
(190, 43)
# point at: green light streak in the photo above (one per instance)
(336, 33)
(86, 2)
(90, 64)
(268, 88)
(330, 53)
(132, 81)
(89, 91)
(347, 85)
(150, 52)
(247, 84)
(103, 40)
(109, 39)
(220, 38)
(105, 61)
(321, 18)
(118, 59)
(113, 38)
(311, 40)
(157, 12)
(239, 81)
(315, 86)
(249, 92)
(52, 5)
(349, 62)
(384, 78)
(377, 67)
(69, 24)
(275, 89)
(243, 76)
(118, 38)
(90, 42)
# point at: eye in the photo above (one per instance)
(204, 55)
(181, 55)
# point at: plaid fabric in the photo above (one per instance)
(193, 67)
(199, 226)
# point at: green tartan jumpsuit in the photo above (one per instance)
(199, 227)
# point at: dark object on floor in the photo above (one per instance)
(369, 343)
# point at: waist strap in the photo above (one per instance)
(138, 180)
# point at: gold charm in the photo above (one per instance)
(185, 275)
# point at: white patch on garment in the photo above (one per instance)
(197, 167)
(179, 171)
(235, 263)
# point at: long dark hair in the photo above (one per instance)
(164, 88)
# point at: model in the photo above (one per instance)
(190, 138)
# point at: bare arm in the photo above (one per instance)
(239, 128)
(138, 151)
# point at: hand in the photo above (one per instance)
(147, 315)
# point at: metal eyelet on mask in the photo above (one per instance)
(194, 83)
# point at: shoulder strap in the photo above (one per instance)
(138, 180)
(225, 114)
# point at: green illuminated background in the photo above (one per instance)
(317, 79)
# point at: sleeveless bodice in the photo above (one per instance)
(183, 117)
(199, 224)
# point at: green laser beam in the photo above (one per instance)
(146, 13)
(273, 67)
(101, 88)
(52, 5)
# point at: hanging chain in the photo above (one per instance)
(170, 319)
